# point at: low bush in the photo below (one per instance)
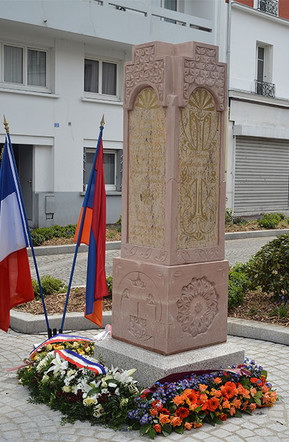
(109, 285)
(50, 286)
(269, 220)
(238, 285)
(45, 233)
(269, 268)
(229, 217)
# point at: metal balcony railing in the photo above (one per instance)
(266, 89)
(268, 6)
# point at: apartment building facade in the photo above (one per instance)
(258, 130)
(61, 69)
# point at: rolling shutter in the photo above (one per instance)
(261, 175)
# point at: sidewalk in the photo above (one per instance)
(23, 421)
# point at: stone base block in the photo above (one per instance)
(152, 366)
(169, 309)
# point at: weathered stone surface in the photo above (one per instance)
(170, 284)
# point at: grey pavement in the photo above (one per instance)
(24, 421)
(59, 266)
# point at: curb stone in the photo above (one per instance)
(30, 324)
(115, 245)
(68, 248)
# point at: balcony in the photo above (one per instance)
(265, 89)
(268, 6)
(121, 22)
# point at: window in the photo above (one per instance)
(264, 85)
(100, 77)
(170, 4)
(24, 66)
(110, 160)
(268, 6)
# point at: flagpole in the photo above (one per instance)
(80, 233)
(19, 196)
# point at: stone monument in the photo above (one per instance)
(170, 283)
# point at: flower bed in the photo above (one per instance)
(62, 373)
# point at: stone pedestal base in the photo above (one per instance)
(152, 366)
(169, 309)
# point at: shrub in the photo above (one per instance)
(50, 286)
(37, 238)
(44, 233)
(239, 220)
(282, 216)
(109, 285)
(269, 268)
(238, 285)
(269, 220)
(228, 216)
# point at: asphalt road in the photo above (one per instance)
(59, 266)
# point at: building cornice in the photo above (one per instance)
(260, 14)
(257, 99)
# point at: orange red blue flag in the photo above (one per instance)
(91, 230)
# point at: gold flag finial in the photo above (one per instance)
(102, 121)
(6, 125)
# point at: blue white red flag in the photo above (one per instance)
(80, 361)
(92, 228)
(59, 338)
(15, 277)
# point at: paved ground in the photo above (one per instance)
(237, 250)
(23, 421)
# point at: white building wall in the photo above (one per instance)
(61, 121)
(253, 115)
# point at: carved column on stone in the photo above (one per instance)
(170, 284)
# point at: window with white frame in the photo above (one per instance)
(264, 85)
(111, 166)
(24, 66)
(100, 77)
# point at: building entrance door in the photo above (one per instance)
(23, 157)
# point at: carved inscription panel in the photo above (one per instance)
(199, 163)
(146, 176)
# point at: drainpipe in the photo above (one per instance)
(228, 52)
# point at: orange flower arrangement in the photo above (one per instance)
(223, 394)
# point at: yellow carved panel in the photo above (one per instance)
(146, 171)
(199, 164)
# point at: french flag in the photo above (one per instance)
(80, 361)
(15, 278)
(91, 230)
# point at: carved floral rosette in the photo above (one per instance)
(197, 306)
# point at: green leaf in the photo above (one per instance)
(238, 414)
(179, 430)
(202, 415)
(257, 400)
(144, 429)
(264, 373)
(151, 433)
(167, 429)
(92, 392)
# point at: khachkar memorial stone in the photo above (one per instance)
(170, 283)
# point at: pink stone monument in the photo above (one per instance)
(170, 283)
